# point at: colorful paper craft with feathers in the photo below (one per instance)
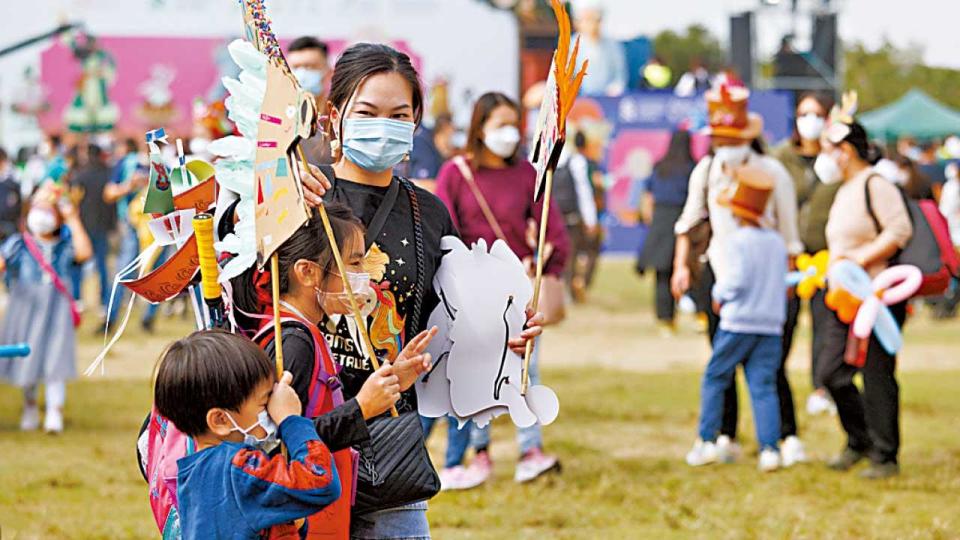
(559, 94)
(287, 114)
(841, 117)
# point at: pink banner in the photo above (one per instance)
(156, 79)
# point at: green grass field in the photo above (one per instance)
(621, 436)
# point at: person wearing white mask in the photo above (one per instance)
(310, 62)
(813, 199)
(41, 311)
(734, 135)
(868, 224)
(490, 196)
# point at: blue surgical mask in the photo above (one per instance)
(377, 144)
(310, 79)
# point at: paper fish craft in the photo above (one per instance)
(475, 375)
(863, 302)
(811, 274)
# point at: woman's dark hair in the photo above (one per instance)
(865, 149)
(678, 159)
(481, 113)
(206, 370)
(824, 99)
(304, 43)
(252, 287)
(365, 59)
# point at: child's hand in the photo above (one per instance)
(379, 392)
(411, 362)
(283, 401)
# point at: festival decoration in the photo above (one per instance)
(563, 84)
(158, 106)
(475, 376)
(91, 109)
(209, 269)
(811, 274)
(863, 302)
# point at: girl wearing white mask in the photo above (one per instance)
(734, 136)
(814, 198)
(375, 102)
(41, 311)
(490, 196)
(870, 239)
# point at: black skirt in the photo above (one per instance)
(657, 252)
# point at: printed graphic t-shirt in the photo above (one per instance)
(392, 264)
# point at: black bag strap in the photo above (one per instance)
(418, 292)
(383, 211)
(866, 195)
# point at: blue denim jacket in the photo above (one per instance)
(24, 269)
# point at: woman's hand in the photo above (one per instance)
(315, 185)
(379, 392)
(412, 360)
(680, 281)
(532, 329)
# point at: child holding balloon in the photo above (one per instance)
(41, 310)
(751, 299)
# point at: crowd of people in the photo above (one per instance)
(724, 230)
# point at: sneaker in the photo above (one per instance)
(481, 469)
(819, 403)
(846, 460)
(460, 478)
(30, 419)
(53, 421)
(879, 471)
(791, 452)
(702, 453)
(728, 451)
(533, 464)
(769, 460)
(667, 329)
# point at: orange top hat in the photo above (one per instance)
(753, 189)
(727, 113)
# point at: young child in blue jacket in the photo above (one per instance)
(751, 298)
(221, 390)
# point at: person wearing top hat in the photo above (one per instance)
(751, 299)
(734, 134)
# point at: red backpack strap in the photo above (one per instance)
(324, 376)
(45, 265)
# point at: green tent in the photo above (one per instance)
(915, 114)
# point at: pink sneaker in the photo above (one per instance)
(533, 464)
(480, 470)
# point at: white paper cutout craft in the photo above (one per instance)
(475, 376)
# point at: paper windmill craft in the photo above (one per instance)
(475, 376)
(863, 302)
(811, 274)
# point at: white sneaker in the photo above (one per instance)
(792, 451)
(459, 478)
(769, 460)
(30, 419)
(53, 421)
(533, 464)
(728, 451)
(819, 403)
(702, 453)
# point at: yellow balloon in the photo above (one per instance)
(806, 288)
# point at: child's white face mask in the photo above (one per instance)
(339, 303)
(268, 442)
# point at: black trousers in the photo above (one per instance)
(788, 415)
(871, 419)
(820, 316)
(666, 307)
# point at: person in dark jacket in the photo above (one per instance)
(10, 200)
(667, 190)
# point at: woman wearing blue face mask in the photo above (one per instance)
(375, 103)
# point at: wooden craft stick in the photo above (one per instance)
(275, 287)
(538, 282)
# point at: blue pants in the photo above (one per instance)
(760, 355)
(458, 440)
(528, 438)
